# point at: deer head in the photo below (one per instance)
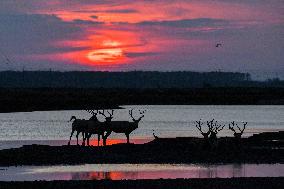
(198, 125)
(241, 131)
(110, 114)
(244, 127)
(141, 113)
(72, 117)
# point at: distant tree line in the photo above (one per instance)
(134, 79)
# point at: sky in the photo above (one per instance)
(160, 35)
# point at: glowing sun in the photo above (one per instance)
(109, 53)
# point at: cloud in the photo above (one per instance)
(140, 54)
(36, 34)
(122, 11)
(185, 23)
(94, 17)
(86, 22)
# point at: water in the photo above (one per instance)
(138, 171)
(166, 121)
(53, 128)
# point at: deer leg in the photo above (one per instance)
(88, 138)
(105, 138)
(77, 135)
(127, 137)
(99, 138)
(70, 137)
(84, 138)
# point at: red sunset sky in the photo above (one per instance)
(163, 35)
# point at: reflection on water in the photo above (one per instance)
(139, 171)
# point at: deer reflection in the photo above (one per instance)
(112, 175)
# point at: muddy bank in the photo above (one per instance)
(232, 183)
(265, 148)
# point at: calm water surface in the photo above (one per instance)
(167, 121)
(141, 171)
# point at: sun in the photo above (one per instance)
(109, 53)
(105, 55)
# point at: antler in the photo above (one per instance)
(232, 127)
(131, 114)
(110, 113)
(108, 118)
(198, 125)
(103, 113)
(220, 127)
(140, 112)
(210, 124)
(215, 127)
(244, 127)
(92, 111)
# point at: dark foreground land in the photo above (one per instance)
(261, 148)
(41, 99)
(232, 183)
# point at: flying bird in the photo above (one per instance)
(218, 45)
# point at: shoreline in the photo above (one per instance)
(232, 183)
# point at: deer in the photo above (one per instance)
(125, 127)
(95, 126)
(237, 135)
(215, 129)
(78, 125)
(198, 125)
(94, 114)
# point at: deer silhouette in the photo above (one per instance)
(215, 129)
(97, 127)
(78, 125)
(237, 135)
(198, 125)
(92, 127)
(125, 127)
(94, 114)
